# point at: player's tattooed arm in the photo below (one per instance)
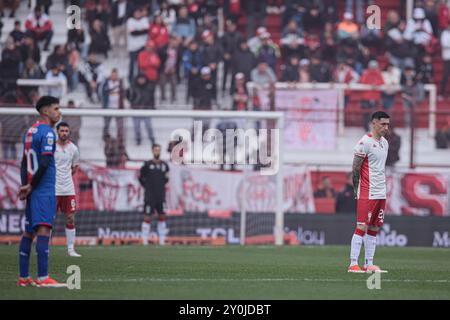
(356, 170)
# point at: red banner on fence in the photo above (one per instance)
(194, 189)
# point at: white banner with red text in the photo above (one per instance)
(195, 189)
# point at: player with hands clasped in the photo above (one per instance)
(38, 175)
(369, 182)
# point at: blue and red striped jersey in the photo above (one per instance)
(40, 140)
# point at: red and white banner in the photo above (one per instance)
(114, 189)
(195, 189)
(418, 194)
(202, 190)
(9, 186)
(310, 117)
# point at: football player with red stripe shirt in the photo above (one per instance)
(67, 159)
(369, 182)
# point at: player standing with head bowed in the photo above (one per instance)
(154, 176)
(369, 182)
(38, 175)
(67, 159)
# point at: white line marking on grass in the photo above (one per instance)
(261, 280)
(253, 280)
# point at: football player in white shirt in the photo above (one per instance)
(369, 182)
(66, 158)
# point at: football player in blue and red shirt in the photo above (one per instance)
(38, 175)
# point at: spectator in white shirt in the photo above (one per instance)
(263, 75)
(137, 34)
(54, 74)
(111, 90)
(391, 78)
(419, 29)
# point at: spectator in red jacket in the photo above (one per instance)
(158, 32)
(149, 62)
(371, 98)
(40, 25)
(443, 15)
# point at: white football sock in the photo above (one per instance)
(70, 237)
(357, 242)
(162, 232)
(370, 243)
(145, 232)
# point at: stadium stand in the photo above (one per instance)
(247, 14)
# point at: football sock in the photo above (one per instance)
(24, 257)
(42, 250)
(145, 232)
(370, 243)
(162, 231)
(357, 241)
(70, 236)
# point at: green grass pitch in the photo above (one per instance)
(233, 272)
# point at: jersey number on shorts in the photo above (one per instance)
(381, 216)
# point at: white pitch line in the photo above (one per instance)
(254, 280)
(261, 280)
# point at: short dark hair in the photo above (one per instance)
(380, 115)
(155, 145)
(45, 101)
(62, 124)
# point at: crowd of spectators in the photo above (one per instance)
(169, 42)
